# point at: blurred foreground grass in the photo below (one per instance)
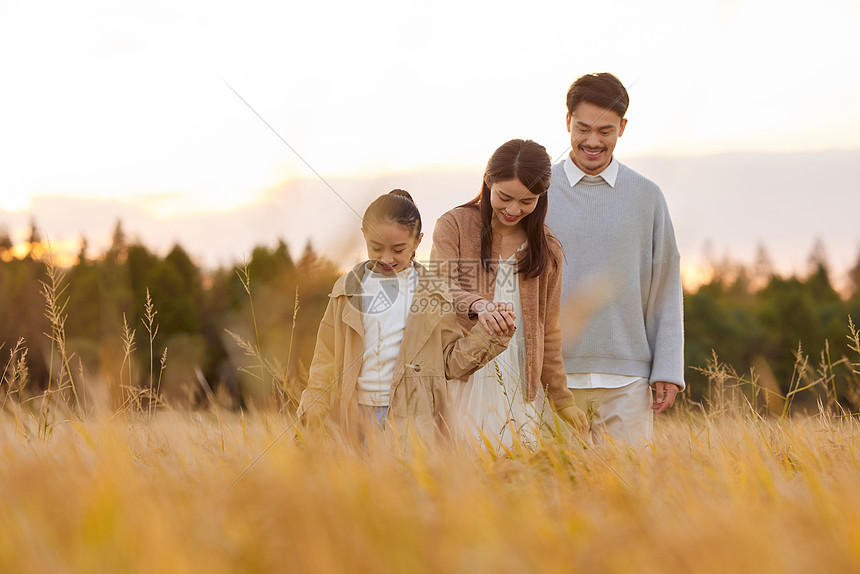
(734, 493)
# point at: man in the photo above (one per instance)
(622, 318)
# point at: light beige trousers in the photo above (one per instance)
(622, 415)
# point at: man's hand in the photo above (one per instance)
(575, 417)
(665, 395)
(495, 317)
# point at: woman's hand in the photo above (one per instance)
(495, 317)
(575, 417)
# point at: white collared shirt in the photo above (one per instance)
(574, 174)
(386, 301)
(598, 381)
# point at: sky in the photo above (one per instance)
(190, 110)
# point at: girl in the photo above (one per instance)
(496, 248)
(389, 338)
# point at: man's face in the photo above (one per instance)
(594, 132)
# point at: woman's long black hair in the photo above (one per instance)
(527, 161)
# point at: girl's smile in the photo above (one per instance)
(390, 246)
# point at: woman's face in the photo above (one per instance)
(511, 201)
(390, 245)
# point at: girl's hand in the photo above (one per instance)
(495, 317)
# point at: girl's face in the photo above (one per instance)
(390, 246)
(511, 201)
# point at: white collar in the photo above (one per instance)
(574, 174)
(404, 274)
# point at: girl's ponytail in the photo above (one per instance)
(401, 193)
(396, 205)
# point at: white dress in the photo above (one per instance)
(491, 407)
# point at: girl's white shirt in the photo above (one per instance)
(386, 301)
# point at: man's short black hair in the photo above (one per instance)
(603, 90)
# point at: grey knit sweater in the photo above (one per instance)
(622, 310)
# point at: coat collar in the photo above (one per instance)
(349, 284)
(429, 285)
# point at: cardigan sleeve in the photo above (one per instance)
(445, 262)
(465, 354)
(553, 376)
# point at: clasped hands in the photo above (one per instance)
(495, 317)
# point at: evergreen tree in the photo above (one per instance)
(118, 250)
(854, 286)
(35, 249)
(23, 314)
(721, 317)
(84, 305)
(272, 265)
(6, 244)
(115, 287)
(176, 290)
(831, 309)
(140, 265)
(762, 269)
(854, 279)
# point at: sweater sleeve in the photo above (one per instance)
(553, 376)
(445, 262)
(664, 316)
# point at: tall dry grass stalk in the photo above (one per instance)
(151, 327)
(52, 291)
(128, 348)
(759, 393)
(286, 390)
(147, 397)
(244, 275)
(15, 372)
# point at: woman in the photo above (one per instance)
(503, 267)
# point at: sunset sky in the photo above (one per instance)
(128, 103)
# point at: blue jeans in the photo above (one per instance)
(378, 413)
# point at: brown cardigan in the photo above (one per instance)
(456, 256)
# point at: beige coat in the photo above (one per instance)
(456, 256)
(433, 350)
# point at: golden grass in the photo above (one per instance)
(147, 488)
(140, 495)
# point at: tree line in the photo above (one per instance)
(246, 334)
(792, 331)
(200, 319)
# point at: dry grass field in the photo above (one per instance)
(190, 492)
(145, 487)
